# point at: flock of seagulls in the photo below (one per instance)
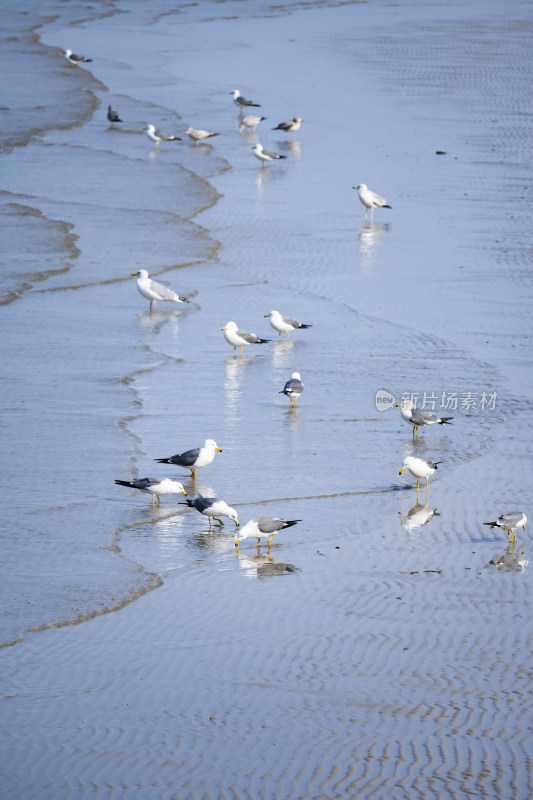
(213, 507)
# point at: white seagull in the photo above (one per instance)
(515, 519)
(242, 102)
(239, 338)
(153, 290)
(72, 58)
(154, 486)
(250, 121)
(194, 459)
(213, 508)
(420, 468)
(263, 528)
(293, 388)
(264, 155)
(113, 115)
(289, 127)
(420, 417)
(198, 135)
(284, 324)
(157, 136)
(370, 199)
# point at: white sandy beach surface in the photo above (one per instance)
(367, 655)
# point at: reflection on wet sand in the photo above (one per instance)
(263, 566)
(234, 373)
(369, 237)
(417, 516)
(511, 560)
(293, 419)
(155, 320)
(294, 148)
(282, 353)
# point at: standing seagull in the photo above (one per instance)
(112, 115)
(420, 468)
(515, 519)
(284, 324)
(193, 459)
(420, 417)
(263, 528)
(72, 58)
(213, 508)
(264, 155)
(242, 102)
(238, 338)
(370, 200)
(293, 388)
(289, 127)
(154, 486)
(250, 121)
(199, 136)
(153, 290)
(157, 136)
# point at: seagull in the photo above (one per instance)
(250, 121)
(157, 136)
(264, 155)
(112, 115)
(193, 459)
(198, 136)
(289, 127)
(293, 388)
(72, 58)
(515, 519)
(263, 528)
(242, 102)
(419, 416)
(370, 200)
(213, 508)
(155, 486)
(420, 468)
(284, 324)
(237, 338)
(153, 290)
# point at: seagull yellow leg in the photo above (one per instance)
(258, 542)
(287, 332)
(152, 499)
(234, 350)
(513, 537)
(193, 474)
(158, 500)
(241, 350)
(271, 539)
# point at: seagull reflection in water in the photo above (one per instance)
(418, 516)
(263, 566)
(154, 321)
(369, 237)
(511, 561)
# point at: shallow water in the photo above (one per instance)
(363, 656)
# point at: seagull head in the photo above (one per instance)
(230, 326)
(212, 443)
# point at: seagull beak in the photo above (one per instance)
(223, 329)
(267, 315)
(219, 449)
(402, 469)
(184, 492)
(237, 543)
(398, 405)
(237, 523)
(133, 274)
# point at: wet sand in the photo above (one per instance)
(365, 655)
